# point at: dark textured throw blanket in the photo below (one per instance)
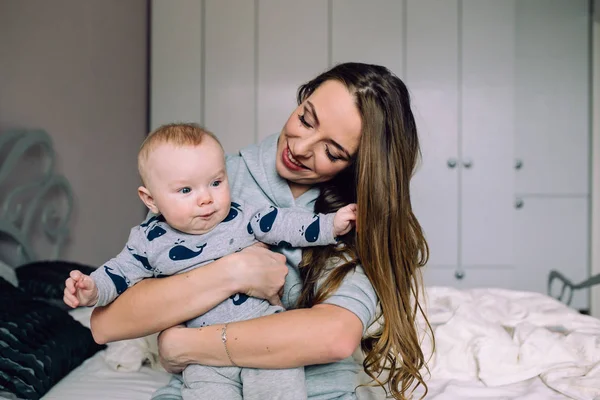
(39, 343)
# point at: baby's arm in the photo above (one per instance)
(344, 220)
(293, 227)
(80, 290)
(130, 266)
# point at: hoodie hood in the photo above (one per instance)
(260, 162)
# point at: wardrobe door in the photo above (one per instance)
(552, 101)
(370, 32)
(552, 98)
(229, 87)
(487, 138)
(176, 62)
(292, 49)
(552, 234)
(432, 78)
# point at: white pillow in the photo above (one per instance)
(131, 355)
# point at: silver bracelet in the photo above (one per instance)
(224, 340)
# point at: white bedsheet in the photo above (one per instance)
(94, 380)
(491, 344)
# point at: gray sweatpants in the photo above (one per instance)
(233, 383)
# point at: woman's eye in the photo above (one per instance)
(303, 121)
(185, 190)
(216, 183)
(331, 156)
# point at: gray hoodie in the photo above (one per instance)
(253, 179)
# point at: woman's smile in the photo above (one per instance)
(290, 162)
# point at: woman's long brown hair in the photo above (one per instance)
(388, 243)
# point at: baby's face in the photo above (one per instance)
(189, 185)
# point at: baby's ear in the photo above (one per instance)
(147, 199)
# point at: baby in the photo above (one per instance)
(194, 222)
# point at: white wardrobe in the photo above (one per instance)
(501, 93)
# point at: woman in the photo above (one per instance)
(352, 138)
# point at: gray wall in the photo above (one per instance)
(595, 245)
(78, 69)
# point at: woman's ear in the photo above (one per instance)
(147, 199)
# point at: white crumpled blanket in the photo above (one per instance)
(502, 337)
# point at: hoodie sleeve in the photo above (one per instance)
(356, 294)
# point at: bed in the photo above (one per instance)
(491, 343)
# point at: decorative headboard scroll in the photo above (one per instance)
(33, 199)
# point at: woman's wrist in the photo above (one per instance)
(233, 269)
(198, 346)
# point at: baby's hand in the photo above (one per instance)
(80, 290)
(344, 220)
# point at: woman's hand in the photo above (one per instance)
(260, 273)
(171, 349)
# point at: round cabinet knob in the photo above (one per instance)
(519, 203)
(459, 275)
(518, 163)
(468, 163)
(451, 163)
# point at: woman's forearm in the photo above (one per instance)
(156, 304)
(319, 335)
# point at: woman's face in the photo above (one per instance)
(320, 137)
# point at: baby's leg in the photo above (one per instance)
(218, 383)
(274, 384)
(170, 392)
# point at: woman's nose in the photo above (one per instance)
(303, 148)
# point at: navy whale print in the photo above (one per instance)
(118, 280)
(313, 230)
(250, 230)
(156, 218)
(141, 259)
(241, 298)
(181, 252)
(156, 231)
(267, 220)
(233, 212)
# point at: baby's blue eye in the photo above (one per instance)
(216, 183)
(185, 190)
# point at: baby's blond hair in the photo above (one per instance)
(177, 134)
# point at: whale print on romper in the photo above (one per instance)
(239, 298)
(312, 232)
(233, 212)
(267, 220)
(156, 231)
(284, 244)
(120, 283)
(180, 252)
(141, 259)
